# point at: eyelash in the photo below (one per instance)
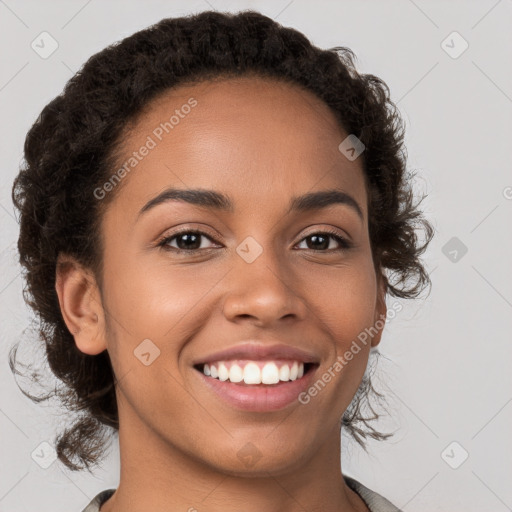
(343, 242)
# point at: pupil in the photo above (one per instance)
(323, 245)
(188, 237)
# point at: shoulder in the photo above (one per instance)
(375, 502)
(99, 499)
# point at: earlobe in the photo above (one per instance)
(80, 305)
(381, 309)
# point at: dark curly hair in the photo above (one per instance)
(73, 146)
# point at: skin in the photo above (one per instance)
(261, 142)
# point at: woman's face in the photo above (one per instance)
(257, 277)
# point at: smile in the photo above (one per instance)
(255, 372)
(257, 385)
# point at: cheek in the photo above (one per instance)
(345, 307)
(160, 302)
(344, 300)
(148, 296)
(148, 307)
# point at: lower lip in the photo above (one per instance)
(259, 398)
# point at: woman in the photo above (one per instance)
(208, 215)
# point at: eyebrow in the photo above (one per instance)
(221, 202)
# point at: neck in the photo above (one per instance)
(156, 475)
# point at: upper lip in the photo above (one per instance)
(258, 352)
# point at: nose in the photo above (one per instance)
(263, 291)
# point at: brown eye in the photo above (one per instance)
(321, 242)
(186, 241)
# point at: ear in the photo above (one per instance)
(80, 305)
(379, 320)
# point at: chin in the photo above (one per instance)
(249, 462)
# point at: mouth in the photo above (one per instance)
(256, 372)
(257, 385)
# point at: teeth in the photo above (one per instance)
(223, 372)
(252, 372)
(294, 370)
(236, 374)
(270, 374)
(284, 373)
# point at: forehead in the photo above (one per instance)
(249, 137)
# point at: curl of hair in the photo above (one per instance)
(72, 147)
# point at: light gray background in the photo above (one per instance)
(446, 370)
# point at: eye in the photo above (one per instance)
(186, 241)
(320, 241)
(190, 241)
